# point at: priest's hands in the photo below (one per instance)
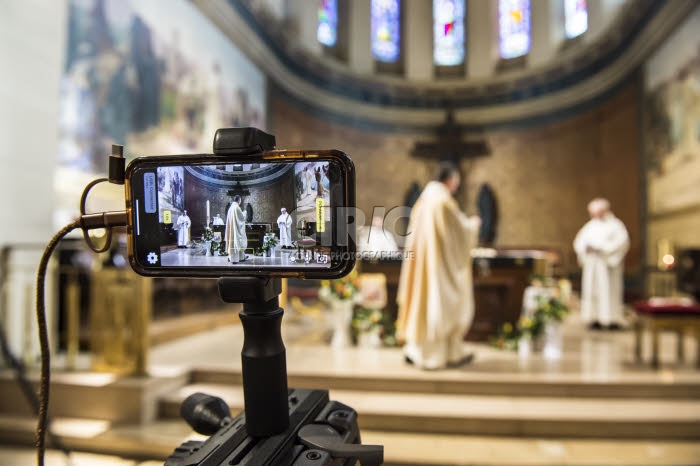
(592, 250)
(476, 220)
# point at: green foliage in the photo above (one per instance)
(208, 234)
(507, 337)
(374, 320)
(270, 242)
(548, 310)
(215, 247)
(341, 288)
(366, 320)
(551, 309)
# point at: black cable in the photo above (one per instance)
(86, 222)
(45, 382)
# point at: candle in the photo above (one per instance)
(208, 214)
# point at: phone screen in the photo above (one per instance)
(219, 216)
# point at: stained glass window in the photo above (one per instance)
(448, 32)
(514, 27)
(575, 17)
(385, 30)
(327, 32)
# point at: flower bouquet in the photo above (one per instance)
(269, 244)
(550, 312)
(341, 293)
(212, 242)
(368, 327)
(208, 234)
(345, 288)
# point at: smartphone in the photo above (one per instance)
(278, 213)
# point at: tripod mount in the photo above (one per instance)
(279, 426)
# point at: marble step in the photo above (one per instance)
(564, 417)
(152, 443)
(155, 440)
(93, 395)
(647, 385)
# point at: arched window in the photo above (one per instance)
(513, 28)
(448, 32)
(327, 32)
(385, 30)
(575, 18)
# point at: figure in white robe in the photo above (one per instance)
(217, 220)
(183, 230)
(435, 296)
(308, 180)
(235, 236)
(284, 222)
(601, 246)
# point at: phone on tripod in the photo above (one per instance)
(250, 215)
(276, 213)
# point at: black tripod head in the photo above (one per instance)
(278, 426)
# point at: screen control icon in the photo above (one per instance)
(152, 258)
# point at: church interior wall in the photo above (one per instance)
(680, 227)
(543, 176)
(671, 140)
(266, 201)
(29, 111)
(546, 175)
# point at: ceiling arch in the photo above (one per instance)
(576, 78)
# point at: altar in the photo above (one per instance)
(255, 233)
(500, 278)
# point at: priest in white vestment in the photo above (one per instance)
(435, 296)
(183, 230)
(601, 246)
(235, 236)
(284, 222)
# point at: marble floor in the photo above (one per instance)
(587, 356)
(590, 359)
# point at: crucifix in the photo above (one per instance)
(238, 189)
(450, 146)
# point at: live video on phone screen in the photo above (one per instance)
(239, 215)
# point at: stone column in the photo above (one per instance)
(304, 14)
(29, 116)
(359, 53)
(541, 19)
(557, 32)
(482, 38)
(417, 37)
(595, 18)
